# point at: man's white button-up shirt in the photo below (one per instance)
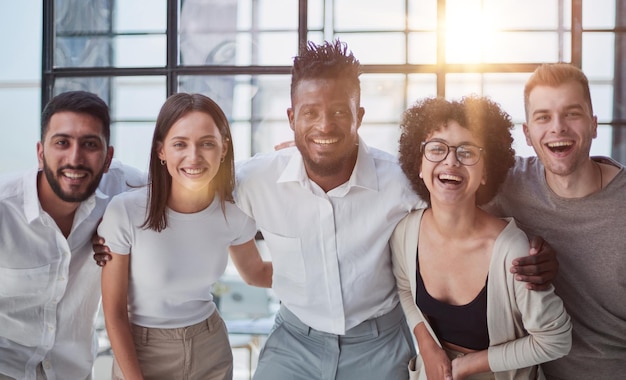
(330, 251)
(49, 285)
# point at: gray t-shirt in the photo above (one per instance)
(589, 236)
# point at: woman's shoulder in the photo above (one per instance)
(512, 241)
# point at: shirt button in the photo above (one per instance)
(61, 278)
(50, 328)
(46, 364)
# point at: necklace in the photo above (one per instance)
(599, 170)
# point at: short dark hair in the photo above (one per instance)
(481, 116)
(160, 180)
(329, 60)
(79, 102)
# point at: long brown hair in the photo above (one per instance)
(160, 180)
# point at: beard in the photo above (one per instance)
(73, 196)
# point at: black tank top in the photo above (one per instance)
(463, 325)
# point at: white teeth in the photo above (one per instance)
(560, 144)
(325, 141)
(193, 171)
(450, 177)
(74, 175)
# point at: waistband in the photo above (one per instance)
(210, 324)
(370, 327)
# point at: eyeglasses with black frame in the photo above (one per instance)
(437, 151)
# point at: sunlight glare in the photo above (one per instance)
(469, 32)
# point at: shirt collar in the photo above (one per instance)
(32, 207)
(364, 174)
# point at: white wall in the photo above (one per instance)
(20, 80)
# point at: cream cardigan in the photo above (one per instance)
(525, 327)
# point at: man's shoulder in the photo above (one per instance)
(525, 170)
(12, 184)
(121, 177)
(263, 164)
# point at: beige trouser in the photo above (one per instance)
(201, 351)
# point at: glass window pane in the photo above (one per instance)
(132, 141)
(389, 47)
(460, 85)
(218, 88)
(276, 48)
(526, 15)
(315, 14)
(382, 96)
(242, 139)
(82, 52)
(382, 136)
(599, 55)
(598, 14)
(100, 86)
(422, 15)
(84, 17)
(137, 98)
(140, 15)
(420, 86)
(277, 14)
(507, 89)
(140, 51)
(423, 48)
(602, 98)
(369, 15)
(202, 16)
(602, 145)
(505, 47)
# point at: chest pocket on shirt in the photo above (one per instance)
(23, 282)
(287, 259)
(23, 293)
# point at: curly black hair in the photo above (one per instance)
(481, 116)
(329, 60)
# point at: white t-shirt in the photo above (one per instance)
(172, 271)
(330, 251)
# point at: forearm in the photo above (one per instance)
(250, 265)
(261, 276)
(120, 335)
(470, 364)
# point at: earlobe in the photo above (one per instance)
(39, 155)
(527, 134)
(108, 159)
(290, 117)
(421, 175)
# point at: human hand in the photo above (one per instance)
(436, 364)
(284, 144)
(102, 253)
(539, 268)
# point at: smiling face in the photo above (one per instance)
(192, 150)
(73, 155)
(560, 127)
(448, 181)
(325, 116)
